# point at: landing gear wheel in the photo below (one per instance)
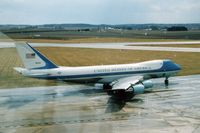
(122, 95)
(166, 82)
(107, 87)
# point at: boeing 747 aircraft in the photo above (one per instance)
(123, 81)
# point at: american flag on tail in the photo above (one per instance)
(30, 55)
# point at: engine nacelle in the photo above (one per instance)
(147, 84)
(98, 86)
(138, 89)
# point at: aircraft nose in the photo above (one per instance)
(178, 67)
(171, 66)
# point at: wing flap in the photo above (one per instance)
(125, 83)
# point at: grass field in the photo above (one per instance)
(98, 40)
(84, 57)
(173, 45)
(9, 78)
(104, 36)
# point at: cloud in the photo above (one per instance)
(99, 11)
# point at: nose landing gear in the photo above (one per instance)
(166, 81)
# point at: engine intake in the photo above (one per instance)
(138, 89)
(147, 84)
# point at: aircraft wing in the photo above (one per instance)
(126, 83)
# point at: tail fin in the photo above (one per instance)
(31, 58)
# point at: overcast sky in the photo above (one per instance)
(99, 11)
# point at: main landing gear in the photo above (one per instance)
(117, 94)
(166, 81)
(107, 88)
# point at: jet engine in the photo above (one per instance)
(138, 89)
(147, 84)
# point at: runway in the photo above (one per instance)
(125, 45)
(82, 108)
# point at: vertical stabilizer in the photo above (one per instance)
(31, 58)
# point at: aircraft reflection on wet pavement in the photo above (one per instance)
(72, 108)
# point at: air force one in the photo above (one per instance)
(123, 81)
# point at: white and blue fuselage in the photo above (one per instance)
(119, 79)
(105, 73)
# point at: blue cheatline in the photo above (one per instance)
(48, 63)
(168, 66)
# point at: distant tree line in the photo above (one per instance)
(177, 28)
(83, 30)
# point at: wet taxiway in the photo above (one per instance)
(83, 109)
